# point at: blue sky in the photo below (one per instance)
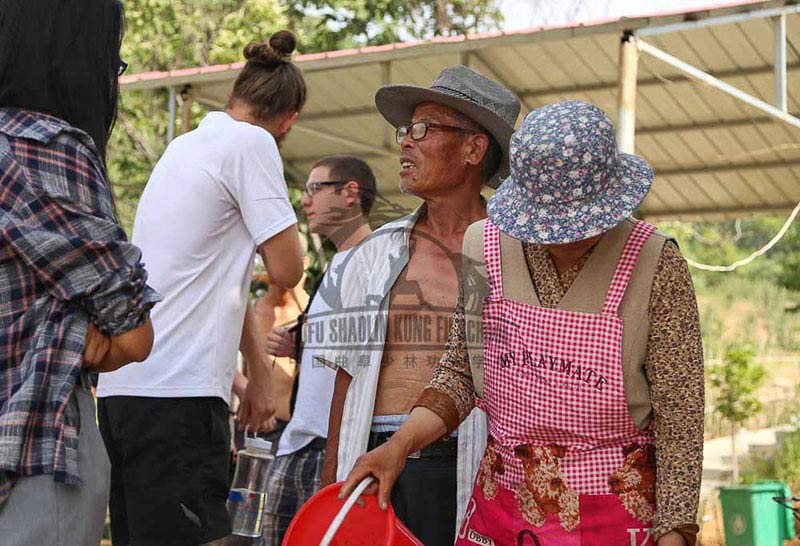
(528, 13)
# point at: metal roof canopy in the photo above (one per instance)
(706, 90)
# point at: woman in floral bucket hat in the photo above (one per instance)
(589, 369)
(568, 181)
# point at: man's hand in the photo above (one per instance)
(96, 349)
(385, 463)
(280, 342)
(257, 405)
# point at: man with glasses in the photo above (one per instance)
(338, 196)
(453, 140)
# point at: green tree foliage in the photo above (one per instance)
(784, 465)
(757, 304)
(736, 382)
(325, 25)
(722, 243)
(167, 35)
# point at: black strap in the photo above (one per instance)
(526, 533)
(297, 332)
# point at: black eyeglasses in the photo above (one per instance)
(123, 66)
(313, 187)
(418, 130)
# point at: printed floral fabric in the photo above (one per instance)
(635, 482)
(545, 490)
(491, 466)
(568, 182)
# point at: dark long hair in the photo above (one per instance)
(61, 57)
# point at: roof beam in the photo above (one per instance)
(716, 83)
(379, 154)
(722, 20)
(719, 124)
(728, 167)
(647, 82)
(342, 113)
(441, 46)
(701, 126)
(362, 146)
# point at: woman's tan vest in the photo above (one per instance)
(586, 294)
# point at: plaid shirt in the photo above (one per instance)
(64, 261)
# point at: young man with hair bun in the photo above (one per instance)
(215, 197)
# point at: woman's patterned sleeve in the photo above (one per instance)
(674, 367)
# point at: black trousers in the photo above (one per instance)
(170, 473)
(424, 499)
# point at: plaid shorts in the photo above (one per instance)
(293, 480)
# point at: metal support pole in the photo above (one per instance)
(626, 93)
(780, 63)
(465, 57)
(173, 103)
(715, 21)
(186, 115)
(703, 77)
(386, 79)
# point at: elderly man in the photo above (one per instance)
(591, 365)
(454, 139)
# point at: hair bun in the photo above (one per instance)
(283, 42)
(278, 50)
(260, 51)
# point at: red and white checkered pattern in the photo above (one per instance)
(555, 377)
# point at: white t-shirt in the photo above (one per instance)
(315, 392)
(216, 194)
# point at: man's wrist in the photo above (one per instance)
(260, 371)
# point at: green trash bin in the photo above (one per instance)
(752, 518)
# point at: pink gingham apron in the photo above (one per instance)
(565, 465)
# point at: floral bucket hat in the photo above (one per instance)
(567, 182)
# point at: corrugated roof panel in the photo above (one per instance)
(678, 104)
(765, 143)
(649, 148)
(705, 45)
(654, 201)
(746, 191)
(714, 156)
(720, 189)
(760, 35)
(694, 194)
(669, 194)
(766, 186)
(788, 180)
(657, 107)
(793, 38)
(523, 60)
(576, 67)
(551, 69)
(680, 45)
(732, 39)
